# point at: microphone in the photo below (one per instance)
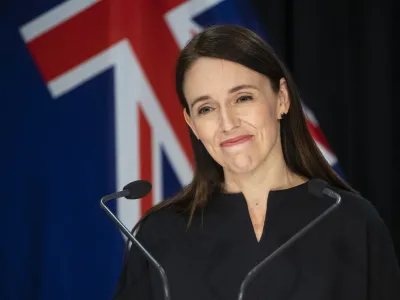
(316, 187)
(134, 190)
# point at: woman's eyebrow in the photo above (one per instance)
(231, 90)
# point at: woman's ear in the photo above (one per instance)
(283, 98)
(188, 120)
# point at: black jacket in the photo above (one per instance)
(348, 256)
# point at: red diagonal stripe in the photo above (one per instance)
(146, 159)
(317, 135)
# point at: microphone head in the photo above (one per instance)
(138, 189)
(316, 186)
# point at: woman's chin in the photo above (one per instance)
(241, 164)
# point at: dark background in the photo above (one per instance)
(343, 57)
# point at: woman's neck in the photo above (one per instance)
(257, 183)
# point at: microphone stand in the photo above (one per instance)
(130, 236)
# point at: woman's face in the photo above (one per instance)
(234, 112)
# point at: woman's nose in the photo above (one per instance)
(228, 119)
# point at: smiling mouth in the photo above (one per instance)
(236, 140)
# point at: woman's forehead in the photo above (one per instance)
(211, 75)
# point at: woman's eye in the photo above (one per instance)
(244, 98)
(204, 110)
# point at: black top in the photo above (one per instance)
(349, 255)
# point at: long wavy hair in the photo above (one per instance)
(301, 154)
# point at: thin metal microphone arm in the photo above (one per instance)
(130, 236)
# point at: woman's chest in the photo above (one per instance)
(210, 266)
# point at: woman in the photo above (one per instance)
(254, 158)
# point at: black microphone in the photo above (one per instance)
(134, 190)
(316, 187)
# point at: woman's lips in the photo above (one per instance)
(236, 140)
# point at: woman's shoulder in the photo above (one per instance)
(357, 207)
(161, 223)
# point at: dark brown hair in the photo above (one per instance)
(302, 156)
